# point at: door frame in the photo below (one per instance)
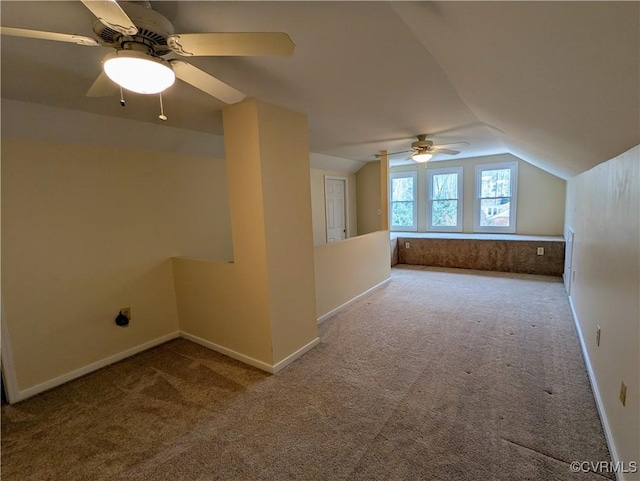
(346, 206)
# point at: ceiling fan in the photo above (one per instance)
(149, 55)
(423, 150)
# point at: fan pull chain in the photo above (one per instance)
(162, 116)
(122, 102)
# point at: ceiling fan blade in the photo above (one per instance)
(103, 86)
(445, 151)
(58, 37)
(205, 82)
(231, 44)
(454, 144)
(393, 153)
(110, 13)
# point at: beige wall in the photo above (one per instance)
(603, 211)
(90, 223)
(284, 147)
(318, 205)
(89, 229)
(368, 198)
(541, 201)
(344, 270)
(261, 308)
(215, 310)
(541, 196)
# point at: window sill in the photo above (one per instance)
(476, 236)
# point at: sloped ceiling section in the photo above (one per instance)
(365, 81)
(559, 80)
(554, 83)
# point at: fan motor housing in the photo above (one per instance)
(422, 144)
(153, 29)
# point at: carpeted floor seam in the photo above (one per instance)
(384, 425)
(520, 445)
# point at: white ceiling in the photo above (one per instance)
(555, 83)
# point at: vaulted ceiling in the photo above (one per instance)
(554, 83)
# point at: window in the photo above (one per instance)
(403, 201)
(445, 199)
(495, 204)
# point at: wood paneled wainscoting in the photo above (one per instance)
(524, 254)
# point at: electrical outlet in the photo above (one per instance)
(540, 251)
(598, 335)
(407, 245)
(623, 393)
(126, 312)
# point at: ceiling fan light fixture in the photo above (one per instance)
(422, 156)
(139, 72)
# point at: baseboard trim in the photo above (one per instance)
(596, 393)
(289, 359)
(45, 386)
(333, 312)
(228, 352)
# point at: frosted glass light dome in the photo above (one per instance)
(422, 156)
(139, 72)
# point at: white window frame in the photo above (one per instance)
(400, 175)
(513, 166)
(440, 171)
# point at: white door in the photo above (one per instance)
(335, 195)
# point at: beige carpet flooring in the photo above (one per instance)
(441, 374)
